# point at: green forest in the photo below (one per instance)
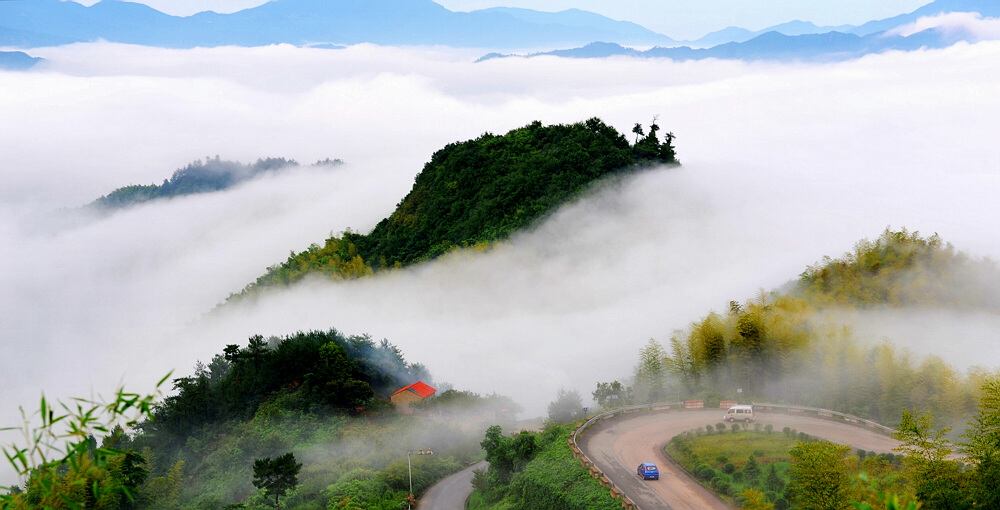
(213, 174)
(317, 399)
(790, 346)
(477, 192)
(305, 421)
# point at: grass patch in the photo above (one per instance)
(728, 462)
(737, 448)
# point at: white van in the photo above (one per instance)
(742, 413)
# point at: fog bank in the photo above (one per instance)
(783, 164)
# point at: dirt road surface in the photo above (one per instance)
(618, 445)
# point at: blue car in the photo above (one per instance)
(648, 470)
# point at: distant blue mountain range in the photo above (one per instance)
(34, 23)
(831, 46)
(335, 23)
(988, 8)
(799, 40)
(17, 60)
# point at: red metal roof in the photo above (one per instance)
(419, 388)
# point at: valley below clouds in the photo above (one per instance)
(782, 165)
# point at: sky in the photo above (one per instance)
(680, 19)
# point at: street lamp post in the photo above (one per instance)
(409, 469)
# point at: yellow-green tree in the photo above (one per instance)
(754, 499)
(937, 481)
(819, 478)
(982, 446)
(651, 372)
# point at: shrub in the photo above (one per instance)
(728, 468)
(736, 427)
(720, 426)
(725, 488)
(768, 428)
(705, 472)
(721, 459)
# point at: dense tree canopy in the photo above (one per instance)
(320, 394)
(317, 371)
(213, 174)
(276, 476)
(479, 191)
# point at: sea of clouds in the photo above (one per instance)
(782, 164)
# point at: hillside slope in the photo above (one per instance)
(477, 192)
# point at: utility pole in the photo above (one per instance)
(409, 469)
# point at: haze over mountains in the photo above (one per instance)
(798, 27)
(325, 23)
(307, 22)
(17, 60)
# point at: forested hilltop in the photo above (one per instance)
(319, 400)
(480, 191)
(197, 177)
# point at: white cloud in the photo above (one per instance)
(783, 164)
(964, 24)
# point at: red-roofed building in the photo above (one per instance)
(410, 394)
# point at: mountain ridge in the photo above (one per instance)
(796, 41)
(305, 22)
(831, 46)
(336, 23)
(17, 60)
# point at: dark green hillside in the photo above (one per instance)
(321, 397)
(480, 191)
(317, 372)
(198, 177)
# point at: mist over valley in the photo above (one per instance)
(783, 164)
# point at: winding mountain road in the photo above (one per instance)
(619, 444)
